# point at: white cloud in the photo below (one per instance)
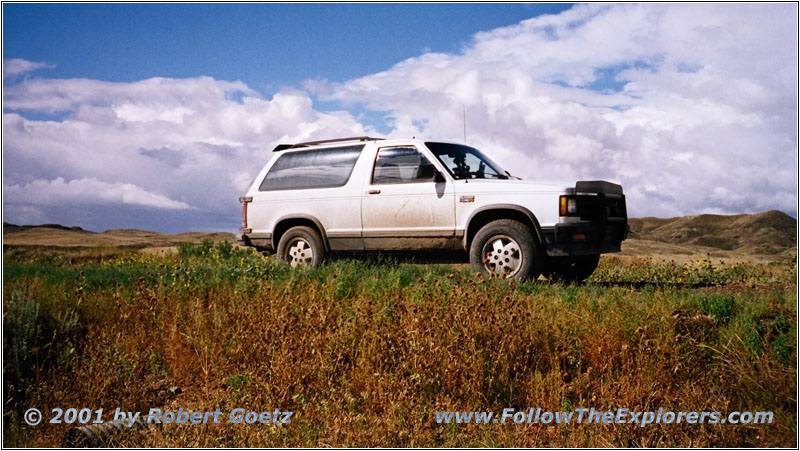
(14, 67)
(147, 113)
(708, 100)
(88, 191)
(54, 95)
(692, 107)
(167, 144)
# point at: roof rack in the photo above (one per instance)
(281, 147)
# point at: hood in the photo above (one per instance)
(510, 185)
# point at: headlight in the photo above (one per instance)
(568, 206)
(572, 206)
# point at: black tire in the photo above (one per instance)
(301, 246)
(506, 248)
(572, 269)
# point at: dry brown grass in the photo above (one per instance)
(365, 353)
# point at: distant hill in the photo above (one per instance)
(58, 235)
(771, 232)
(9, 228)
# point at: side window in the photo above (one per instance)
(401, 165)
(324, 168)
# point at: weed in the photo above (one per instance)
(365, 351)
(721, 307)
(21, 331)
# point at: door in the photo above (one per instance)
(405, 205)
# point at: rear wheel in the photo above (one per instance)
(301, 246)
(506, 249)
(572, 269)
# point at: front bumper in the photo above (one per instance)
(585, 237)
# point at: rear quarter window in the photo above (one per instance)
(322, 168)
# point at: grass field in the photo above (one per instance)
(366, 351)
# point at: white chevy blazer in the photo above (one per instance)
(371, 194)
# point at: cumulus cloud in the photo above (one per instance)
(88, 190)
(692, 107)
(14, 67)
(169, 145)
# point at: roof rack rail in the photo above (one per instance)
(281, 147)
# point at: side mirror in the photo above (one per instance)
(425, 171)
(438, 177)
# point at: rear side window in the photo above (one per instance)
(324, 168)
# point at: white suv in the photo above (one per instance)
(371, 194)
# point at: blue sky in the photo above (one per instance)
(158, 117)
(267, 46)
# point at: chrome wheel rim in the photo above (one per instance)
(300, 253)
(502, 256)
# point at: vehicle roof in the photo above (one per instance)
(334, 143)
(281, 147)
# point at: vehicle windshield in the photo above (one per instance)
(464, 162)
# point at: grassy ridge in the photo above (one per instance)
(365, 352)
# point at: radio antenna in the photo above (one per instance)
(464, 111)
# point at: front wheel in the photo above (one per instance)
(506, 249)
(301, 246)
(572, 269)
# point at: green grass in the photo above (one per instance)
(365, 351)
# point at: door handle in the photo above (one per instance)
(374, 191)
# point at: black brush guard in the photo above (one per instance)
(599, 226)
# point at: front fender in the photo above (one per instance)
(500, 208)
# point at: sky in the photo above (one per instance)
(158, 117)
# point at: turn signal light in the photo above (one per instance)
(567, 206)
